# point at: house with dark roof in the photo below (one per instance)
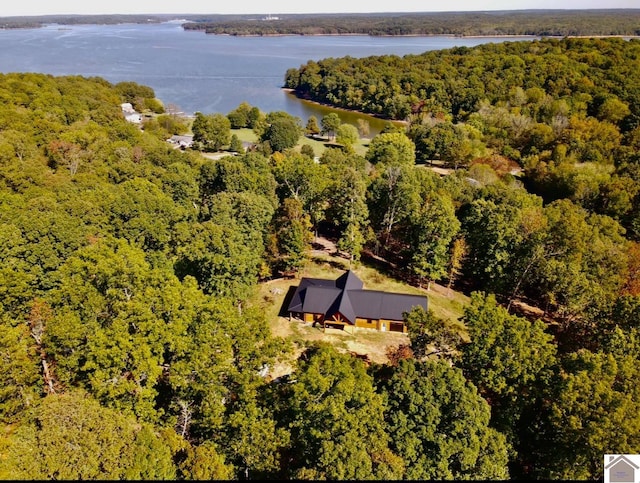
(345, 303)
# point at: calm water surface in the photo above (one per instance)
(195, 71)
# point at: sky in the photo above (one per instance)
(274, 7)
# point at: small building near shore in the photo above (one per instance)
(182, 142)
(130, 113)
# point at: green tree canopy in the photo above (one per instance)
(391, 149)
(348, 209)
(439, 424)
(282, 134)
(593, 410)
(312, 128)
(330, 124)
(347, 135)
(432, 228)
(110, 329)
(211, 132)
(291, 236)
(497, 227)
(21, 382)
(508, 358)
(71, 437)
(431, 335)
(239, 117)
(333, 414)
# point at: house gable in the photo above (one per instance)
(297, 301)
(349, 281)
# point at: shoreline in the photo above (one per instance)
(38, 25)
(354, 34)
(292, 92)
(459, 36)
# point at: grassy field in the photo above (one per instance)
(271, 295)
(245, 134)
(319, 146)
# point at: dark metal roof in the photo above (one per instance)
(346, 296)
(374, 304)
(297, 301)
(394, 305)
(318, 299)
(349, 281)
(345, 308)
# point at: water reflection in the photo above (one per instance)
(304, 109)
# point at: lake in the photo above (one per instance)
(195, 71)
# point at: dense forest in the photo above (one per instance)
(517, 22)
(598, 22)
(37, 21)
(577, 74)
(131, 349)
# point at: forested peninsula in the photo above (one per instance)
(601, 22)
(540, 23)
(137, 340)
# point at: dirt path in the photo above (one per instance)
(322, 245)
(368, 344)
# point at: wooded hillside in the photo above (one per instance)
(130, 350)
(516, 22)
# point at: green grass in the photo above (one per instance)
(446, 304)
(245, 134)
(270, 298)
(319, 146)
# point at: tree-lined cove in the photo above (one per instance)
(138, 280)
(194, 71)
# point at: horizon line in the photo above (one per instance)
(322, 13)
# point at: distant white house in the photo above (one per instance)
(130, 113)
(134, 118)
(181, 141)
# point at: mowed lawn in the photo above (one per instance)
(271, 297)
(318, 145)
